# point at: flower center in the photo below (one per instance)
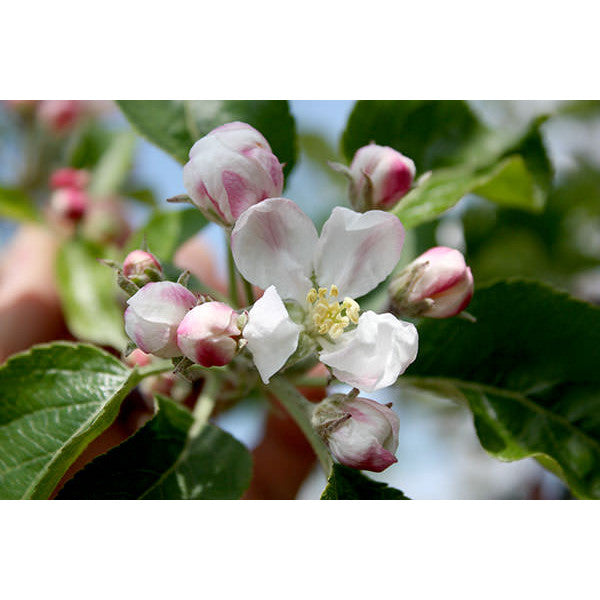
(328, 316)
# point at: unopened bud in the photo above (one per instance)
(60, 115)
(360, 433)
(437, 284)
(230, 169)
(69, 178)
(106, 222)
(209, 334)
(380, 176)
(142, 267)
(153, 315)
(69, 204)
(138, 358)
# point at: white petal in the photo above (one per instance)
(271, 335)
(272, 244)
(357, 251)
(372, 356)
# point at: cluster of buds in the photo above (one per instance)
(165, 319)
(360, 433)
(437, 284)
(379, 177)
(69, 201)
(231, 169)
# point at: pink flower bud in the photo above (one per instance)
(208, 335)
(380, 177)
(69, 204)
(153, 315)
(138, 358)
(437, 284)
(141, 267)
(60, 115)
(231, 169)
(359, 432)
(68, 177)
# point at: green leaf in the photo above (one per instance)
(508, 183)
(528, 369)
(114, 165)
(430, 132)
(349, 484)
(165, 231)
(54, 400)
(174, 125)
(89, 294)
(155, 464)
(17, 205)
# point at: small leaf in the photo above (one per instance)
(155, 464)
(16, 204)
(54, 400)
(165, 231)
(175, 125)
(89, 294)
(349, 484)
(114, 165)
(528, 369)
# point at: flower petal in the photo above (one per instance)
(272, 244)
(271, 335)
(372, 356)
(357, 251)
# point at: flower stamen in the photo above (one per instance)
(328, 316)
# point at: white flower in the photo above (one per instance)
(276, 246)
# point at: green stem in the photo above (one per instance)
(155, 368)
(233, 288)
(205, 404)
(308, 381)
(301, 410)
(248, 291)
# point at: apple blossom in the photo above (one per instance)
(380, 176)
(69, 204)
(230, 169)
(141, 267)
(209, 334)
(360, 433)
(60, 115)
(69, 178)
(154, 314)
(276, 246)
(437, 284)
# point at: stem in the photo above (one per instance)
(233, 288)
(301, 410)
(155, 369)
(249, 292)
(205, 404)
(308, 381)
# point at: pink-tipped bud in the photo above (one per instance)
(209, 334)
(69, 204)
(138, 358)
(380, 176)
(60, 115)
(69, 177)
(437, 284)
(231, 169)
(142, 267)
(359, 432)
(153, 315)
(106, 222)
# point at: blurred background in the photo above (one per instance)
(439, 456)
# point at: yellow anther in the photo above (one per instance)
(328, 316)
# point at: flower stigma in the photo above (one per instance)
(327, 315)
